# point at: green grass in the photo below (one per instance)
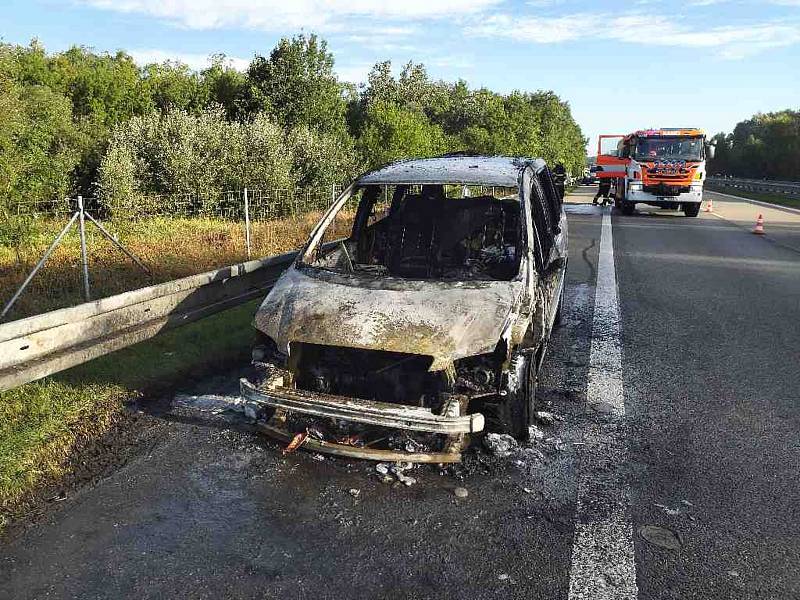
(41, 422)
(771, 198)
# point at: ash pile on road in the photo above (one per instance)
(498, 452)
(212, 404)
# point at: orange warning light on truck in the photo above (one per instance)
(660, 167)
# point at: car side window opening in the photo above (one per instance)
(536, 242)
(553, 199)
(432, 231)
(542, 220)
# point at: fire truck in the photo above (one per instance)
(660, 167)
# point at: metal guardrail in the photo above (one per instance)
(790, 189)
(44, 344)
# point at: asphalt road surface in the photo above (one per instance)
(675, 472)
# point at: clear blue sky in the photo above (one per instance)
(621, 65)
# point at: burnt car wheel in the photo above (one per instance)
(512, 411)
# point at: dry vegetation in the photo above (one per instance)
(171, 247)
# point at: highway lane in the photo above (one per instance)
(711, 344)
(710, 349)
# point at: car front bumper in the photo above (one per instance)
(369, 412)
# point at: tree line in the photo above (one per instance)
(767, 145)
(97, 124)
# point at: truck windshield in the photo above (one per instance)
(669, 148)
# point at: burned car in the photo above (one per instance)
(417, 313)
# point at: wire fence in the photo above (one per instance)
(170, 236)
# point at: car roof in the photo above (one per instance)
(478, 170)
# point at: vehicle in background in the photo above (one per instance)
(428, 310)
(659, 167)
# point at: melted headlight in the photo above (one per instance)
(477, 374)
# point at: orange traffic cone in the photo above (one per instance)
(759, 230)
(709, 206)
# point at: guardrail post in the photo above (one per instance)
(247, 222)
(84, 256)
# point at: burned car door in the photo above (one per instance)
(533, 254)
(549, 253)
(551, 225)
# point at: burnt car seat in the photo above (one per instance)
(412, 234)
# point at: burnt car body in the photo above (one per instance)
(431, 316)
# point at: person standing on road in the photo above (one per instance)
(603, 189)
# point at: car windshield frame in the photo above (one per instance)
(308, 256)
(653, 144)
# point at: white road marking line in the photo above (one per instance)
(603, 561)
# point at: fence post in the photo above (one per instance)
(84, 257)
(247, 222)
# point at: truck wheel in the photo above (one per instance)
(690, 209)
(627, 207)
(511, 413)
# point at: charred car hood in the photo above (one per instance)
(446, 320)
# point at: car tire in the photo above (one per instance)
(511, 412)
(691, 209)
(627, 207)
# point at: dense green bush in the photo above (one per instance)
(391, 132)
(321, 160)
(95, 123)
(440, 114)
(39, 143)
(176, 153)
(766, 145)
